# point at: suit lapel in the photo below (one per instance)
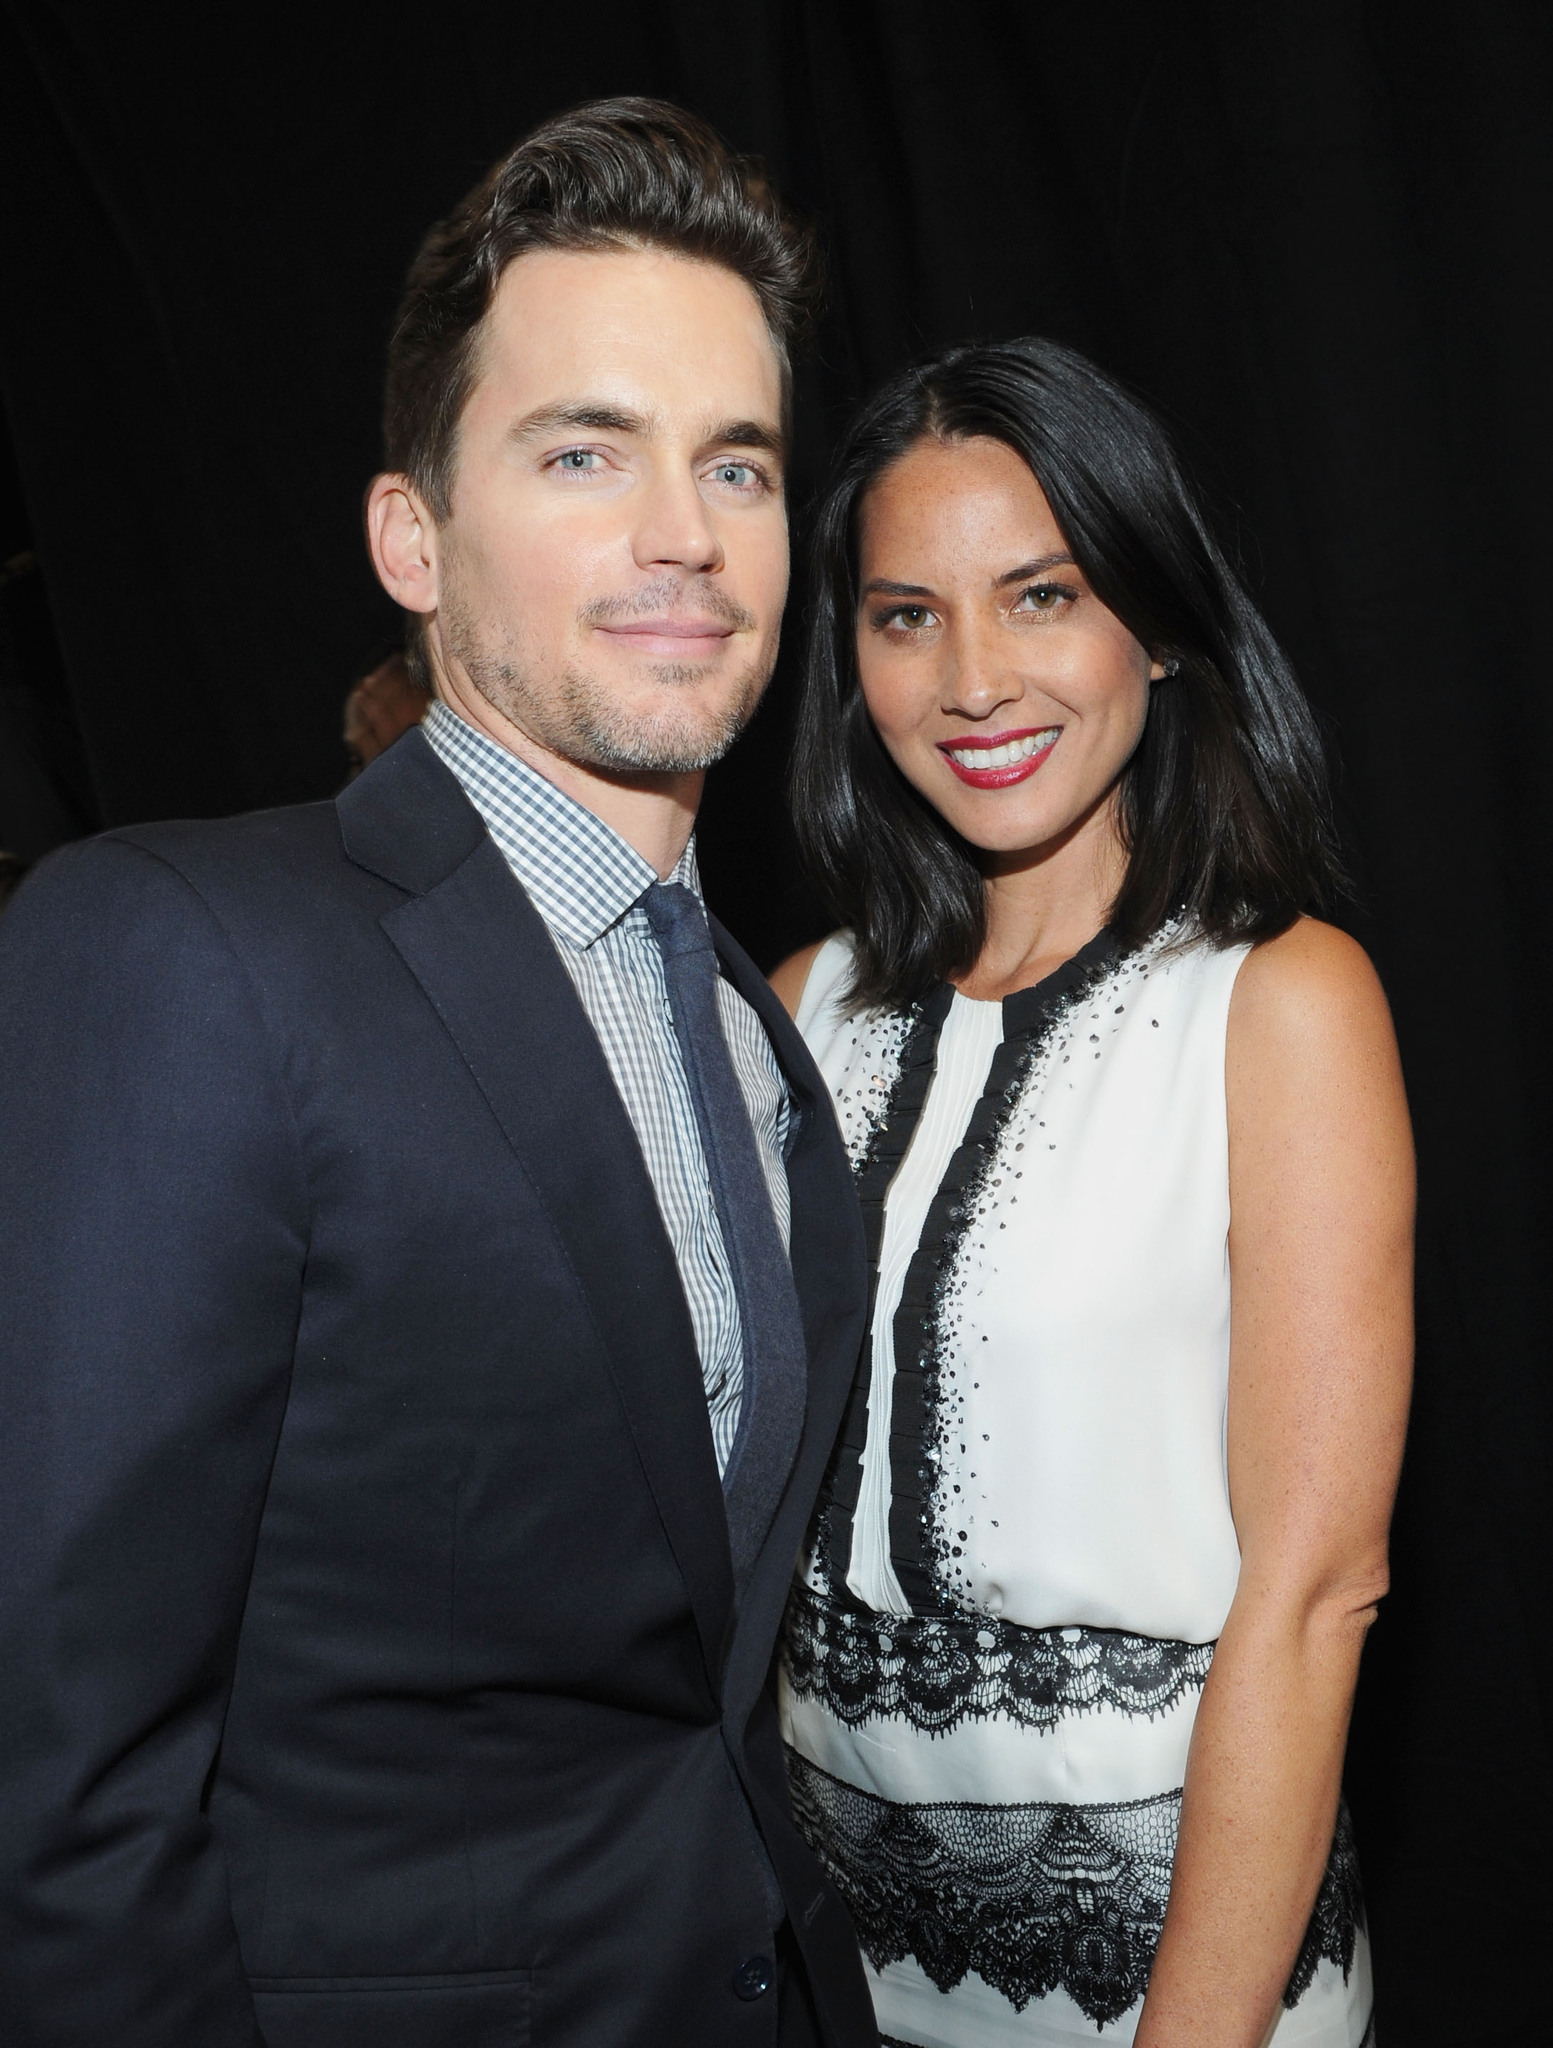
(481, 952)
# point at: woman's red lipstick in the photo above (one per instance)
(1016, 760)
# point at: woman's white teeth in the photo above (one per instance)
(1006, 755)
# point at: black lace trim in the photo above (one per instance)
(1337, 1917)
(1030, 1897)
(831, 1532)
(938, 1670)
(1029, 1018)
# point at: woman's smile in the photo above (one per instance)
(995, 760)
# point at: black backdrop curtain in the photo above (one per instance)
(1317, 235)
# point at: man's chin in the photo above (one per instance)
(638, 751)
(670, 737)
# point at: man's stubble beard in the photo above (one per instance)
(581, 720)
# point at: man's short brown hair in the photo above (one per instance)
(614, 174)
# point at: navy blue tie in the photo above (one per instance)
(775, 1355)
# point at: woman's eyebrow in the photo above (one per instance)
(883, 586)
(1036, 568)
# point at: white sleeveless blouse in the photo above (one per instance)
(1025, 1549)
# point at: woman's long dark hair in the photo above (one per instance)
(1224, 806)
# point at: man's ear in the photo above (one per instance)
(402, 539)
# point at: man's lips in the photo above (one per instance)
(994, 760)
(687, 639)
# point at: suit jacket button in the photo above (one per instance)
(754, 1978)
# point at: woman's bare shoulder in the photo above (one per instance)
(792, 977)
(1310, 1036)
(1311, 982)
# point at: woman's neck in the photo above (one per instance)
(1043, 906)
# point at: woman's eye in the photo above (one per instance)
(1043, 597)
(912, 616)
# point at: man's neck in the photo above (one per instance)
(655, 814)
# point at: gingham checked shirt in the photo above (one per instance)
(587, 883)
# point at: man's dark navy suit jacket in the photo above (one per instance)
(370, 1669)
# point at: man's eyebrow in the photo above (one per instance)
(1036, 568)
(592, 415)
(583, 415)
(747, 434)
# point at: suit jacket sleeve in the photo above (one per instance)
(152, 1235)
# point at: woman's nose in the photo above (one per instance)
(978, 674)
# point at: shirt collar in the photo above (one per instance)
(580, 874)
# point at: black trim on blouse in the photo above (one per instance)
(877, 1168)
(1029, 1016)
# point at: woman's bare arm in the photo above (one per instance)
(790, 979)
(1321, 1200)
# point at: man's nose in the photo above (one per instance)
(674, 528)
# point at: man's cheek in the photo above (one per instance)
(548, 582)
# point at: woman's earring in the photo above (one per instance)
(1172, 664)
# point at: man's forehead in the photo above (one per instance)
(640, 307)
